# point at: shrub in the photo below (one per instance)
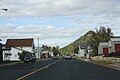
(113, 54)
(22, 55)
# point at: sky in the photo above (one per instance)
(56, 22)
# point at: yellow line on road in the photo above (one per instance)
(47, 66)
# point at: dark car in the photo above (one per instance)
(29, 58)
(68, 57)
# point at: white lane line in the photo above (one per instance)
(47, 66)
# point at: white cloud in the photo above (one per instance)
(50, 34)
(60, 7)
(93, 12)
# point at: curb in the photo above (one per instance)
(1, 65)
(43, 59)
(114, 67)
(104, 65)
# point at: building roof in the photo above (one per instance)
(28, 42)
(104, 43)
(115, 39)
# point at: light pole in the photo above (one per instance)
(4, 9)
(1, 45)
(1, 52)
(38, 49)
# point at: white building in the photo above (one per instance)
(85, 50)
(82, 50)
(15, 46)
(113, 45)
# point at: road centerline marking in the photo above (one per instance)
(30, 73)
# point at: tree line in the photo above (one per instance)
(54, 49)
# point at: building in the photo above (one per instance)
(44, 54)
(15, 46)
(85, 50)
(113, 45)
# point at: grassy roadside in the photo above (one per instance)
(97, 61)
(105, 60)
(101, 61)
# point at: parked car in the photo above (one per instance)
(29, 58)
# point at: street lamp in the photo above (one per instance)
(5, 9)
(38, 49)
(1, 51)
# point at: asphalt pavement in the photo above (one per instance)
(58, 70)
(13, 72)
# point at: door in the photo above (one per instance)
(117, 47)
(105, 50)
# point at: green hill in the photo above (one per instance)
(73, 47)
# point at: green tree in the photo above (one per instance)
(76, 50)
(45, 47)
(101, 35)
(56, 51)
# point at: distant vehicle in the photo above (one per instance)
(68, 57)
(29, 58)
(73, 57)
(55, 57)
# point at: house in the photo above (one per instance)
(15, 46)
(113, 45)
(85, 49)
(82, 50)
(44, 54)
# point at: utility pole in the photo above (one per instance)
(1, 45)
(38, 49)
(1, 52)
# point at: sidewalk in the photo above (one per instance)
(113, 65)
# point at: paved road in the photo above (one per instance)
(58, 70)
(12, 72)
